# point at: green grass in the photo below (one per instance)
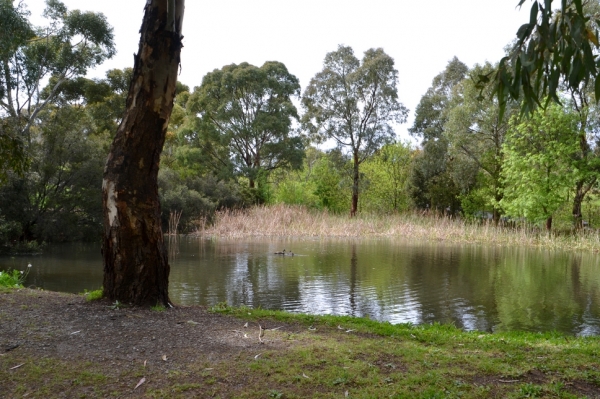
(158, 308)
(93, 295)
(373, 359)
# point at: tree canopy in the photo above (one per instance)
(249, 111)
(355, 104)
(538, 171)
(72, 42)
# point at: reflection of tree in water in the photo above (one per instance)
(587, 297)
(173, 246)
(452, 285)
(259, 279)
(353, 265)
(548, 291)
(481, 288)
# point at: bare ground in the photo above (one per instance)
(122, 343)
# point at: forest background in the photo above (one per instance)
(248, 135)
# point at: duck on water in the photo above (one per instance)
(289, 253)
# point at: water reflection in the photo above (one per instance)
(473, 287)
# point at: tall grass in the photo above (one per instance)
(296, 221)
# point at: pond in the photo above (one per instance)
(473, 287)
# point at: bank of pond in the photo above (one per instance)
(473, 287)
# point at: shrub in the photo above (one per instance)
(13, 278)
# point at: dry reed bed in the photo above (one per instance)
(294, 221)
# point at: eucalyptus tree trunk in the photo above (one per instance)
(136, 267)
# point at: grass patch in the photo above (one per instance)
(287, 221)
(373, 359)
(93, 295)
(158, 308)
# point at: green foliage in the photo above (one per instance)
(52, 151)
(431, 180)
(72, 43)
(196, 197)
(476, 133)
(430, 116)
(93, 295)
(555, 47)
(14, 278)
(331, 184)
(246, 111)
(538, 171)
(58, 198)
(322, 183)
(354, 103)
(387, 176)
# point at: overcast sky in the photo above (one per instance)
(421, 35)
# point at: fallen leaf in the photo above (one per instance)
(192, 322)
(349, 331)
(17, 366)
(164, 357)
(246, 325)
(256, 357)
(346, 394)
(245, 335)
(145, 363)
(305, 376)
(140, 383)
(76, 332)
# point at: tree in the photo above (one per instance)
(58, 197)
(538, 170)
(555, 51)
(430, 185)
(476, 132)
(249, 111)
(387, 175)
(353, 102)
(136, 268)
(72, 43)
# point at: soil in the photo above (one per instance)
(40, 324)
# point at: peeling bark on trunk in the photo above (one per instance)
(136, 267)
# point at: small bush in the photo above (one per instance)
(13, 278)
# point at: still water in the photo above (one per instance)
(472, 287)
